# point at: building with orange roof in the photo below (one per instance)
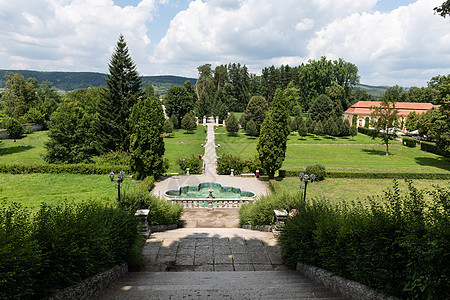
(363, 110)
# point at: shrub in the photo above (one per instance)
(432, 148)
(226, 162)
(260, 212)
(192, 162)
(398, 245)
(162, 212)
(13, 127)
(232, 124)
(63, 168)
(251, 129)
(147, 184)
(318, 170)
(61, 246)
(115, 158)
(367, 131)
(409, 142)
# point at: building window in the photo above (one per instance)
(360, 123)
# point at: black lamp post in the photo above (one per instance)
(306, 179)
(119, 180)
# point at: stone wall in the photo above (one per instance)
(93, 285)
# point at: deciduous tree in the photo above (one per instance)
(386, 118)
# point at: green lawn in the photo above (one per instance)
(337, 190)
(181, 144)
(33, 189)
(27, 150)
(361, 154)
(30, 149)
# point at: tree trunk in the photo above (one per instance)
(387, 148)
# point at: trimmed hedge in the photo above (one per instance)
(433, 148)
(398, 245)
(409, 142)
(367, 131)
(60, 168)
(377, 175)
(43, 253)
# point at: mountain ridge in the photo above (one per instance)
(68, 81)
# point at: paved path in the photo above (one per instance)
(212, 249)
(214, 264)
(210, 175)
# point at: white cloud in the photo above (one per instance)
(252, 32)
(405, 46)
(390, 48)
(73, 35)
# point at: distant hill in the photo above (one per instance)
(68, 81)
(375, 91)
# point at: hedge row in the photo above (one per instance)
(60, 168)
(409, 142)
(60, 246)
(366, 131)
(432, 148)
(381, 175)
(398, 245)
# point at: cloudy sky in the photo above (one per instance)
(391, 42)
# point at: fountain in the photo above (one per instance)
(208, 190)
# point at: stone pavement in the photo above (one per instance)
(220, 263)
(212, 249)
(252, 184)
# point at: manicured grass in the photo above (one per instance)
(337, 190)
(181, 144)
(27, 150)
(360, 154)
(33, 189)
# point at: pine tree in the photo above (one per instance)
(123, 90)
(146, 141)
(168, 126)
(251, 129)
(188, 122)
(232, 124)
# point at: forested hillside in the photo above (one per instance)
(68, 81)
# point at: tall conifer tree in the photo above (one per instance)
(123, 90)
(273, 137)
(146, 141)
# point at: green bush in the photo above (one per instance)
(162, 212)
(318, 170)
(60, 168)
(409, 142)
(192, 162)
(367, 131)
(61, 246)
(398, 245)
(226, 162)
(260, 211)
(378, 175)
(147, 184)
(432, 148)
(14, 127)
(114, 158)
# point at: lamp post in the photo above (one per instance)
(119, 180)
(306, 179)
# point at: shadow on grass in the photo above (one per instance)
(188, 132)
(438, 162)
(329, 138)
(12, 150)
(375, 152)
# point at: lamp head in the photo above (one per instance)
(121, 175)
(111, 175)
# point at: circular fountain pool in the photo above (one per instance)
(208, 190)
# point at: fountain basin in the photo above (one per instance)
(209, 190)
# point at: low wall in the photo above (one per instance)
(34, 127)
(93, 285)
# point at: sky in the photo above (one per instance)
(391, 42)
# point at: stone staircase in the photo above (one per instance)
(285, 284)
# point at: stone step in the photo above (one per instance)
(217, 285)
